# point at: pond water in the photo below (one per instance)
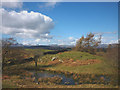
(66, 80)
(69, 79)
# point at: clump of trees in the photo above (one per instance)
(112, 54)
(88, 43)
(9, 52)
(12, 54)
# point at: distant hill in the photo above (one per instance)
(103, 46)
(54, 47)
(49, 47)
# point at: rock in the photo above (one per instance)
(67, 82)
(53, 58)
(60, 60)
(37, 83)
(40, 60)
(88, 63)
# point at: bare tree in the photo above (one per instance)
(36, 57)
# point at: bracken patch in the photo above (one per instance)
(54, 62)
(79, 62)
(72, 62)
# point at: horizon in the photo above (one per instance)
(61, 23)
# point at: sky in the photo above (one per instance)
(62, 23)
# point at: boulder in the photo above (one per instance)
(54, 58)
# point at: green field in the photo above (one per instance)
(99, 68)
(103, 67)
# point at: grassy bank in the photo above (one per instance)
(70, 64)
(98, 68)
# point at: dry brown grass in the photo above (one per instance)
(72, 62)
(81, 62)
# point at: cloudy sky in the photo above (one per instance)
(62, 23)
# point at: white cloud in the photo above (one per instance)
(72, 43)
(37, 40)
(107, 37)
(26, 24)
(12, 4)
(113, 42)
(66, 41)
(70, 38)
(109, 40)
(49, 4)
(101, 33)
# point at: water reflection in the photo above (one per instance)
(72, 79)
(44, 74)
(36, 76)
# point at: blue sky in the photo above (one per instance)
(70, 20)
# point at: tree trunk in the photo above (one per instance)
(35, 63)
